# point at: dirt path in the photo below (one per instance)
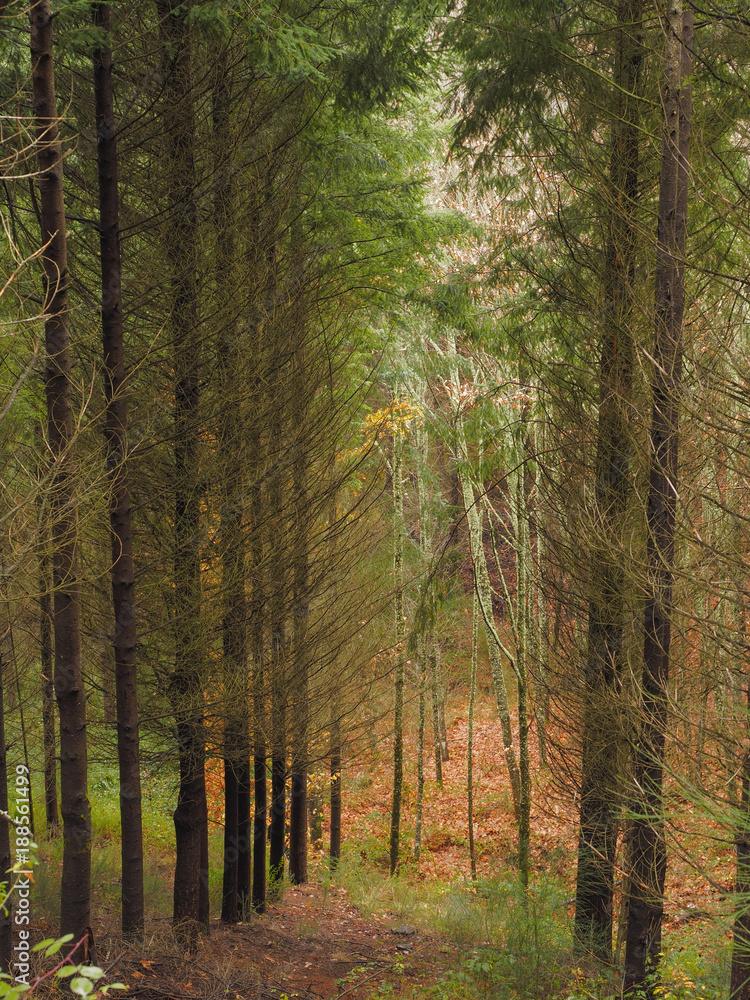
(312, 944)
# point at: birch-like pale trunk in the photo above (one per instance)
(484, 594)
(438, 702)
(483, 587)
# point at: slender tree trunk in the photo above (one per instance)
(277, 831)
(602, 739)
(75, 894)
(422, 656)
(648, 869)
(440, 745)
(277, 598)
(438, 692)
(484, 595)
(231, 456)
(335, 845)
(470, 738)
(244, 831)
(48, 700)
(257, 613)
(315, 812)
(521, 525)
(422, 675)
(186, 683)
(542, 616)
(123, 579)
(300, 612)
(436, 736)
(260, 812)
(400, 636)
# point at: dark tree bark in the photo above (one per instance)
(123, 578)
(277, 830)
(277, 630)
(186, 682)
(244, 837)
(298, 793)
(75, 894)
(300, 603)
(229, 903)
(48, 700)
(648, 857)
(232, 461)
(602, 738)
(335, 845)
(260, 749)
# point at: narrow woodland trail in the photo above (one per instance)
(311, 944)
(315, 944)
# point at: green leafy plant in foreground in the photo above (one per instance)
(84, 978)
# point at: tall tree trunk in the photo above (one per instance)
(48, 700)
(277, 602)
(75, 893)
(232, 536)
(257, 613)
(523, 562)
(422, 681)
(186, 682)
(300, 613)
(400, 636)
(123, 579)
(438, 692)
(334, 851)
(244, 828)
(601, 739)
(483, 588)
(648, 866)
(541, 620)
(437, 736)
(470, 737)
(422, 658)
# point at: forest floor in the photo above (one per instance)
(312, 943)
(432, 932)
(359, 934)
